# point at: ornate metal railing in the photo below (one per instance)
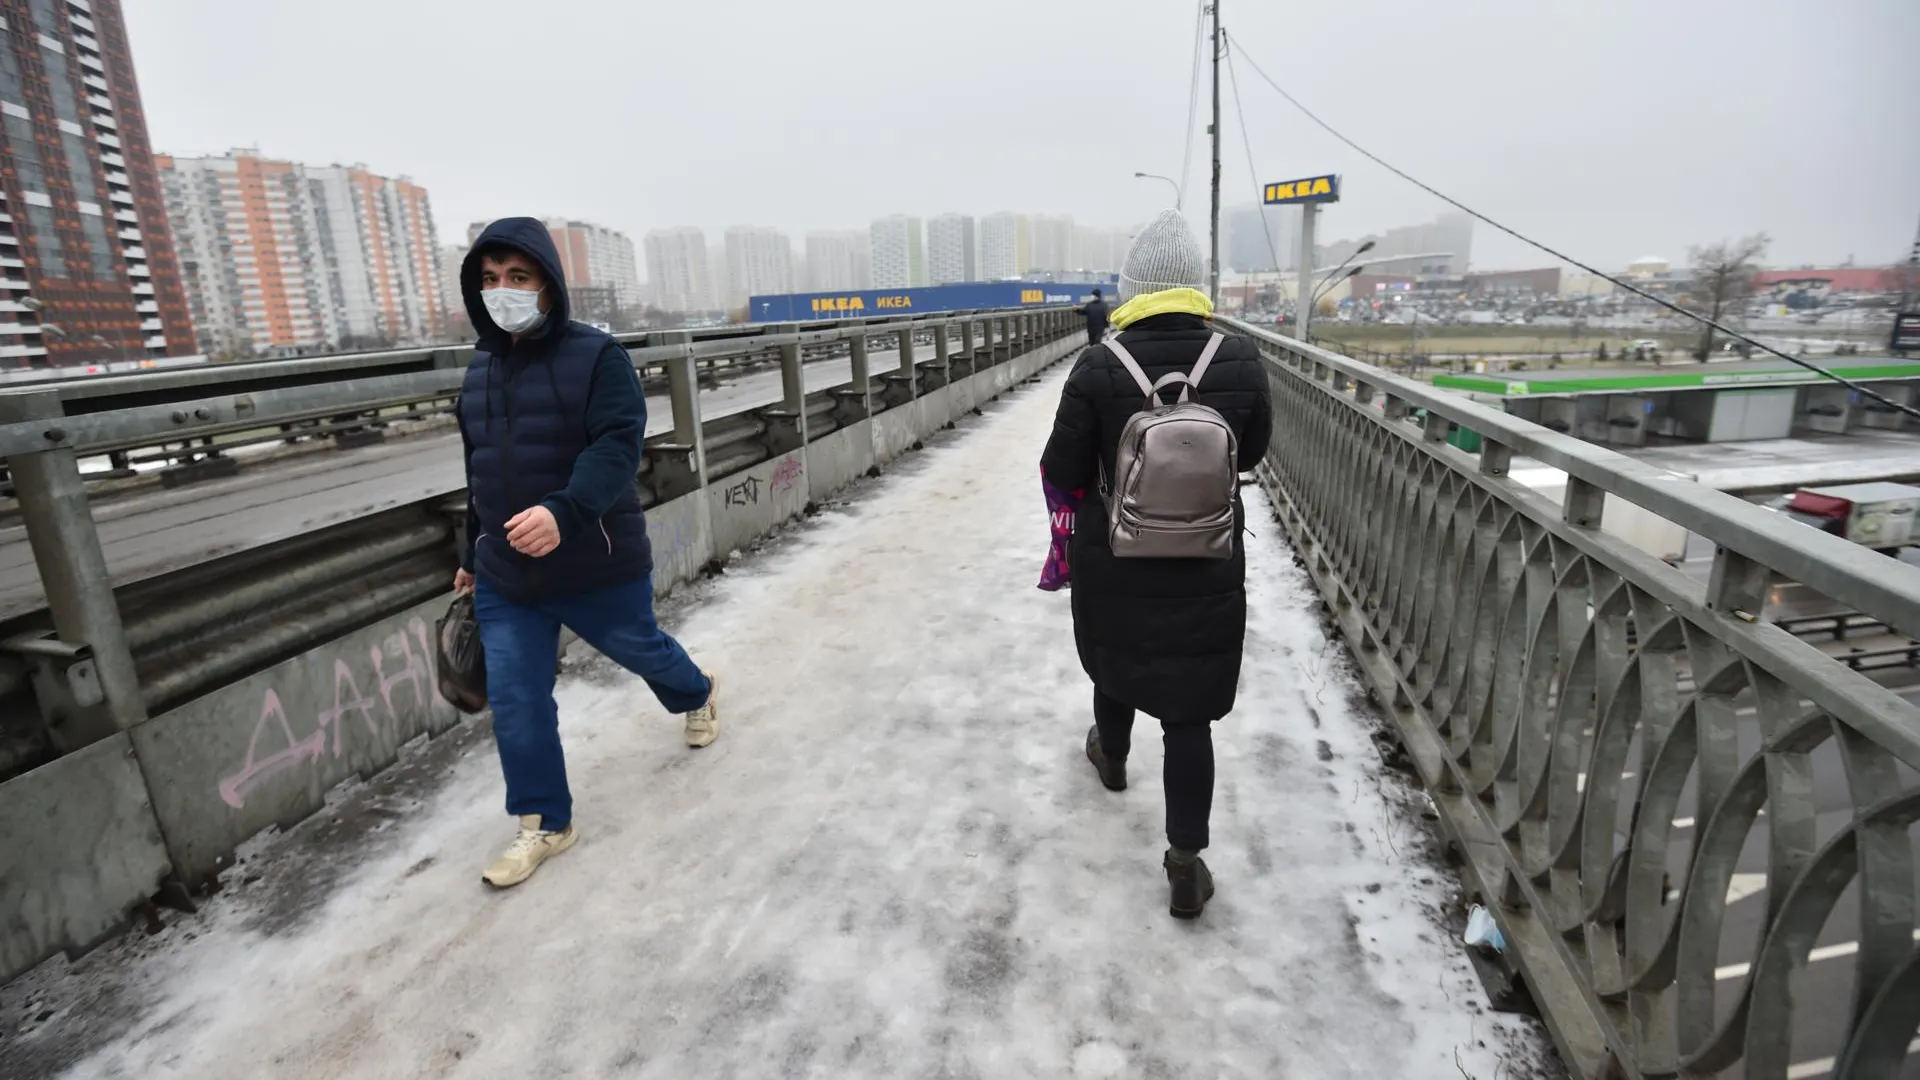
(1561, 691)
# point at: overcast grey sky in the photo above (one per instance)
(1616, 128)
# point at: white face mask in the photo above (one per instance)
(514, 310)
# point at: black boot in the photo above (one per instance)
(1192, 885)
(1112, 773)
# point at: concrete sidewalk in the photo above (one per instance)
(895, 862)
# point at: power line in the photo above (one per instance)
(1825, 373)
(1193, 101)
(1253, 175)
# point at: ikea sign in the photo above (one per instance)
(840, 305)
(874, 303)
(1314, 189)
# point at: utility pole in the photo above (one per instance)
(1303, 305)
(1213, 263)
(1912, 277)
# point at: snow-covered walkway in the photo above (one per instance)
(895, 862)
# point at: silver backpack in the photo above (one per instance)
(1175, 474)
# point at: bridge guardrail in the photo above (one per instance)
(194, 414)
(181, 714)
(41, 444)
(85, 393)
(1493, 625)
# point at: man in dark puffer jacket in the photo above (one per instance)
(553, 420)
(1161, 636)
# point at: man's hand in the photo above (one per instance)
(462, 582)
(533, 532)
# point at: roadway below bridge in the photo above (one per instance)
(152, 531)
(895, 862)
(1823, 991)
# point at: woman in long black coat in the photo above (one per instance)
(1159, 636)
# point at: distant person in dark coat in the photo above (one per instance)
(1096, 312)
(553, 419)
(1161, 636)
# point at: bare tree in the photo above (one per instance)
(1903, 279)
(1722, 275)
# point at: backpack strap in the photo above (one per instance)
(1186, 382)
(1127, 361)
(1205, 361)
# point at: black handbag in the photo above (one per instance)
(460, 662)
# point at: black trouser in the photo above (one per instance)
(1188, 774)
(1093, 336)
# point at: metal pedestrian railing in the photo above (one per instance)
(1558, 747)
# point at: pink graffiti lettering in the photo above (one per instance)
(414, 672)
(787, 473)
(347, 699)
(358, 702)
(233, 789)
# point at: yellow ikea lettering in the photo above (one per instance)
(893, 302)
(1321, 187)
(858, 304)
(816, 304)
(1284, 191)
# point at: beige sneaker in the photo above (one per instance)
(528, 850)
(703, 723)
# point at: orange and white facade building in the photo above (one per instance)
(591, 256)
(282, 257)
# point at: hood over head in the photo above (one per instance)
(529, 237)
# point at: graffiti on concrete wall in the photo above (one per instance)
(786, 474)
(748, 490)
(744, 493)
(362, 697)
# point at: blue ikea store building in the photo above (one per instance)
(879, 303)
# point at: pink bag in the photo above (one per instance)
(1061, 507)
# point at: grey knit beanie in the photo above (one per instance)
(1164, 256)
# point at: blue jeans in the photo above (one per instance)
(522, 644)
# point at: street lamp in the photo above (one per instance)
(1303, 303)
(1331, 281)
(37, 306)
(1357, 252)
(122, 348)
(1168, 179)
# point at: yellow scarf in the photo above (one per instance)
(1166, 302)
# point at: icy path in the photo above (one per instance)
(895, 862)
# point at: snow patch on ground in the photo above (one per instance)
(895, 862)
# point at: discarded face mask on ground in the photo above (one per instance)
(1482, 931)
